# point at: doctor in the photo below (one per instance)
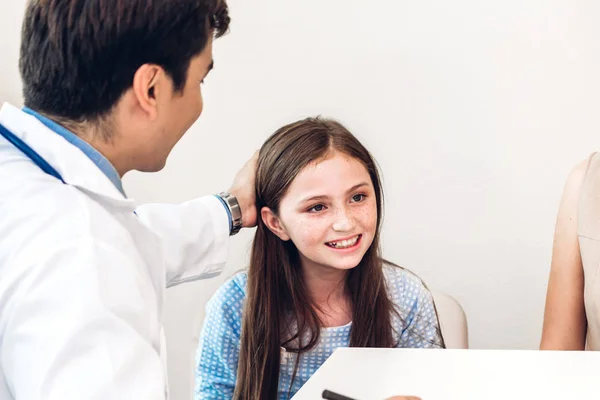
(110, 86)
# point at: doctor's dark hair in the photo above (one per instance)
(278, 311)
(78, 57)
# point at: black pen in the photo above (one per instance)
(329, 395)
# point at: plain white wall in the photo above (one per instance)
(11, 14)
(476, 112)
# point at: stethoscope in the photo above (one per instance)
(29, 152)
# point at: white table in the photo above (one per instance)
(366, 374)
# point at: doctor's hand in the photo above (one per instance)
(404, 398)
(244, 191)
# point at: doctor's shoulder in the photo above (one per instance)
(38, 214)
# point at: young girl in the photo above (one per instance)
(316, 279)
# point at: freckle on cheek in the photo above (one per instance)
(309, 233)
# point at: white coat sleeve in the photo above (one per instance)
(194, 236)
(82, 323)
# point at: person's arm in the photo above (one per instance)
(404, 398)
(194, 235)
(421, 326)
(219, 345)
(80, 323)
(565, 321)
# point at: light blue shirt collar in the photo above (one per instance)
(97, 158)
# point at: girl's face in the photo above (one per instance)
(329, 212)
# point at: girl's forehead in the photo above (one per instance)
(329, 176)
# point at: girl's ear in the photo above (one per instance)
(274, 224)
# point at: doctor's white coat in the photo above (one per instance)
(83, 277)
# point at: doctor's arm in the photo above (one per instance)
(81, 324)
(565, 322)
(194, 235)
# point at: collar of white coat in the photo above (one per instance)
(71, 163)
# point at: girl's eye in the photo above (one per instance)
(317, 208)
(358, 198)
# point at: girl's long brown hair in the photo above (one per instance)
(278, 311)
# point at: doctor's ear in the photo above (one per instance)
(274, 224)
(147, 82)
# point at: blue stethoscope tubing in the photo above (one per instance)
(29, 152)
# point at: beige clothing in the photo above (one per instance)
(588, 232)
